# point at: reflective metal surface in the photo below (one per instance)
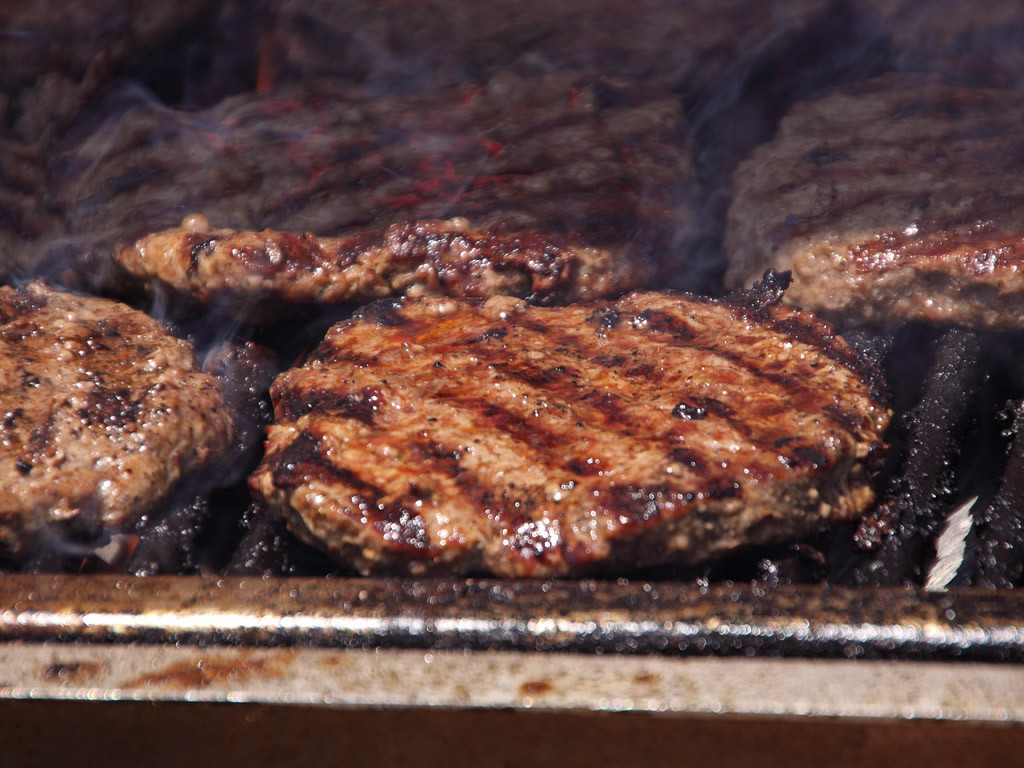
(623, 617)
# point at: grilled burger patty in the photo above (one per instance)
(24, 218)
(956, 39)
(688, 46)
(450, 257)
(898, 199)
(584, 162)
(101, 412)
(440, 435)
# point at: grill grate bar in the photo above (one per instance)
(1001, 524)
(917, 496)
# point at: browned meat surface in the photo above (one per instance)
(24, 218)
(900, 199)
(439, 435)
(597, 163)
(246, 269)
(51, 36)
(980, 43)
(101, 413)
(415, 44)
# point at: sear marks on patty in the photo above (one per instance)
(977, 43)
(24, 218)
(246, 269)
(442, 435)
(45, 37)
(101, 412)
(688, 46)
(898, 199)
(597, 162)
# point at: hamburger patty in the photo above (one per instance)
(592, 162)
(690, 47)
(101, 412)
(246, 269)
(24, 219)
(46, 36)
(439, 435)
(898, 199)
(979, 43)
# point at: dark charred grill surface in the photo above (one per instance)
(593, 162)
(103, 412)
(920, 493)
(438, 435)
(1000, 524)
(897, 199)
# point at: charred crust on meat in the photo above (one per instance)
(766, 292)
(199, 245)
(386, 313)
(640, 505)
(21, 302)
(542, 224)
(611, 361)
(488, 335)
(687, 457)
(605, 318)
(360, 406)
(538, 377)
(302, 460)
(690, 411)
(805, 456)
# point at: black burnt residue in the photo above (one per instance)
(493, 333)
(585, 467)
(536, 377)
(696, 408)
(386, 313)
(690, 411)
(688, 458)
(199, 245)
(611, 361)
(660, 322)
(605, 318)
(302, 460)
(806, 456)
(765, 292)
(109, 408)
(724, 489)
(361, 406)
